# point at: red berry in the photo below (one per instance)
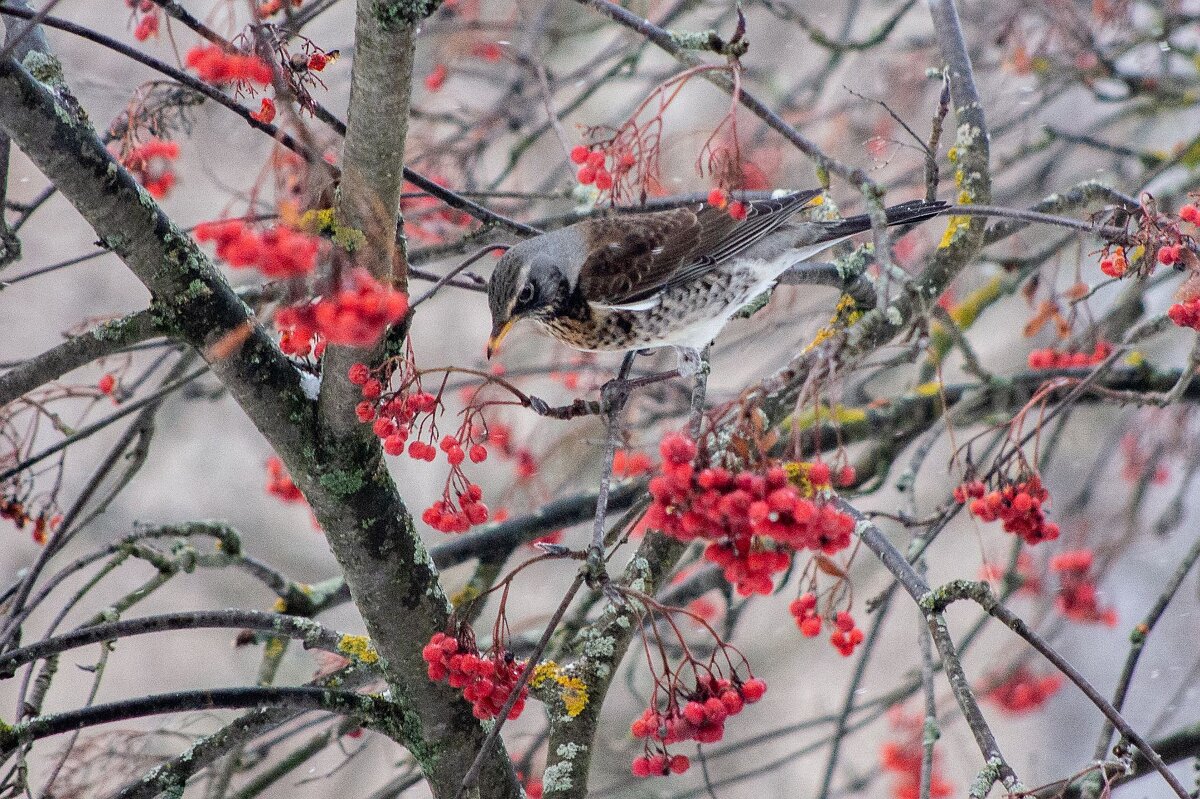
(737, 209)
(478, 453)
(753, 690)
(106, 384)
(579, 154)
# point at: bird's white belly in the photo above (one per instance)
(699, 333)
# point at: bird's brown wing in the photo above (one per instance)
(634, 257)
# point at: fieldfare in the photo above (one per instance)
(644, 280)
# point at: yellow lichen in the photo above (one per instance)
(274, 648)
(358, 647)
(953, 228)
(469, 593)
(952, 155)
(844, 315)
(323, 222)
(838, 414)
(571, 690)
(280, 605)
(799, 475)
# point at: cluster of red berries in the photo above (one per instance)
(698, 716)
(437, 78)
(16, 512)
(353, 317)
(1078, 598)
(1020, 506)
(218, 67)
(753, 520)
(846, 635)
(269, 7)
(1051, 358)
(1114, 264)
(150, 162)
(1031, 583)
(486, 681)
(278, 252)
(148, 23)
(266, 111)
(1170, 254)
(631, 464)
(904, 756)
(719, 198)
(393, 416)
(1137, 463)
(279, 482)
(1186, 314)
(1022, 691)
(428, 219)
(444, 516)
(592, 166)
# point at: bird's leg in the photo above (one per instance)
(699, 388)
(613, 397)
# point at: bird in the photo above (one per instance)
(635, 281)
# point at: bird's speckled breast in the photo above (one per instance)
(689, 315)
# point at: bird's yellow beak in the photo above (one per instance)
(499, 331)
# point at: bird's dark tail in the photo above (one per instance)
(903, 214)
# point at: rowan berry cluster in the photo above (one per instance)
(1186, 314)
(696, 715)
(394, 415)
(600, 166)
(214, 65)
(1020, 507)
(631, 464)
(437, 78)
(846, 635)
(754, 519)
(1114, 263)
(1078, 598)
(1051, 358)
(147, 25)
(150, 162)
(279, 482)
(1030, 582)
(17, 512)
(355, 316)
(719, 198)
(279, 252)
(486, 679)
(1170, 254)
(903, 757)
(428, 219)
(1022, 691)
(1137, 464)
(268, 7)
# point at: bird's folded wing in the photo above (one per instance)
(635, 257)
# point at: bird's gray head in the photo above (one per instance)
(532, 280)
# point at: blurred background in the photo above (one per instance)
(487, 75)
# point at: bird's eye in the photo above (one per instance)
(527, 294)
